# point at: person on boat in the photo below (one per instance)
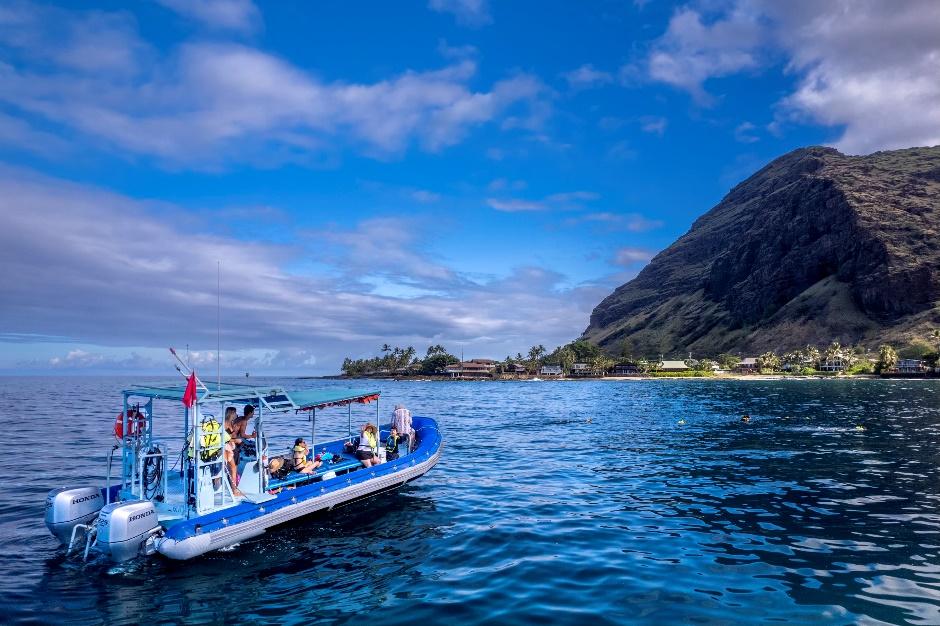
(239, 433)
(401, 419)
(391, 445)
(368, 450)
(279, 468)
(745, 419)
(229, 443)
(301, 463)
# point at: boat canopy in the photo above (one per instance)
(273, 398)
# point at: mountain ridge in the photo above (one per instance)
(814, 247)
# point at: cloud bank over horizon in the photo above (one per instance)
(70, 272)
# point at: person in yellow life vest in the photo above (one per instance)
(368, 450)
(301, 464)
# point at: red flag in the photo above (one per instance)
(189, 397)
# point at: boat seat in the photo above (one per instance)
(346, 465)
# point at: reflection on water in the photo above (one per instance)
(646, 502)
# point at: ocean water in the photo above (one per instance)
(555, 502)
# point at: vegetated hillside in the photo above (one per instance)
(815, 247)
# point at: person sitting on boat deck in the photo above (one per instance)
(391, 445)
(279, 467)
(301, 464)
(368, 450)
(241, 426)
(401, 419)
(229, 450)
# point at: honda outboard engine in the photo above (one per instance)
(66, 508)
(126, 529)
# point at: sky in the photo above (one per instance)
(473, 173)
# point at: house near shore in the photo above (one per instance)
(833, 364)
(474, 368)
(746, 366)
(625, 370)
(581, 369)
(551, 370)
(515, 369)
(673, 366)
(911, 366)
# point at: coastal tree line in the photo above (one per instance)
(395, 360)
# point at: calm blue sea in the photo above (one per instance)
(555, 502)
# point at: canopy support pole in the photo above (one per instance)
(313, 432)
(186, 460)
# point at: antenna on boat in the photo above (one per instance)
(218, 320)
(185, 370)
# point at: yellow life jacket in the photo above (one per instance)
(211, 440)
(370, 440)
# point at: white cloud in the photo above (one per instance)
(19, 134)
(112, 273)
(513, 205)
(458, 53)
(743, 133)
(91, 42)
(630, 256)
(571, 197)
(207, 104)
(632, 222)
(425, 197)
(867, 68)
(473, 13)
(622, 151)
(565, 200)
(654, 124)
(692, 51)
(587, 76)
(235, 15)
(870, 68)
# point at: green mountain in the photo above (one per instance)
(815, 247)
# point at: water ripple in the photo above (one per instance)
(639, 502)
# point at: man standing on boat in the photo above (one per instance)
(401, 420)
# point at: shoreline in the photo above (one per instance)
(721, 377)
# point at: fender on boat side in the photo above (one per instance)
(196, 545)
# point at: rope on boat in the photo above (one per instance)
(152, 473)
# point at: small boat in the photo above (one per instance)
(186, 511)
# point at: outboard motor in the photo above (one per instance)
(126, 529)
(68, 507)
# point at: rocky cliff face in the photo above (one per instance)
(815, 247)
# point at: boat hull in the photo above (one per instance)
(188, 545)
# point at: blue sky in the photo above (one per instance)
(473, 173)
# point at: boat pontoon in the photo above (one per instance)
(190, 509)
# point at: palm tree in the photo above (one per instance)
(811, 354)
(768, 361)
(566, 357)
(408, 355)
(887, 358)
(535, 355)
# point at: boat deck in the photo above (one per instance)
(173, 505)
